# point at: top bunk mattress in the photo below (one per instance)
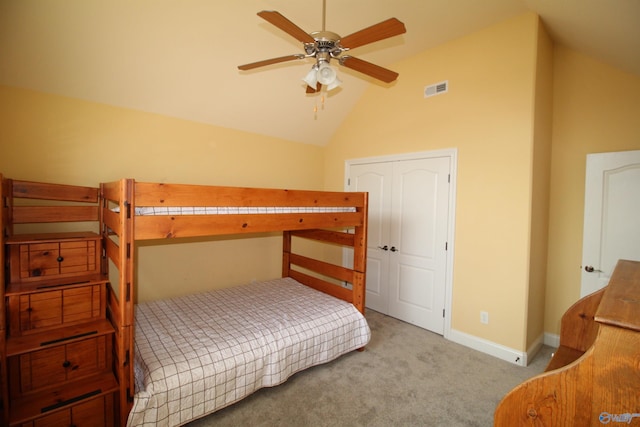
(199, 353)
(235, 210)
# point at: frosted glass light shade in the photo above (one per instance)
(311, 78)
(326, 75)
(336, 82)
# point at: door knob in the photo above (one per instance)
(590, 269)
(384, 248)
(394, 249)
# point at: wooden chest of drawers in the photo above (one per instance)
(59, 343)
(44, 256)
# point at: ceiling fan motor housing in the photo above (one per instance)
(327, 41)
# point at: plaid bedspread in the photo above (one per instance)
(199, 353)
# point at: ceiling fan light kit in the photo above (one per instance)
(322, 73)
(326, 74)
(326, 45)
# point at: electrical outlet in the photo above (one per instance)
(484, 317)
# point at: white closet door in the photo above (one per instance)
(375, 178)
(418, 237)
(408, 228)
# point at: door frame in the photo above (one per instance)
(452, 153)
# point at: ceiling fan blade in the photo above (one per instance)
(385, 29)
(253, 65)
(285, 25)
(369, 69)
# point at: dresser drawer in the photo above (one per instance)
(55, 366)
(33, 260)
(38, 311)
(96, 412)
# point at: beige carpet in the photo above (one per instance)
(407, 376)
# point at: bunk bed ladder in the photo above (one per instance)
(121, 252)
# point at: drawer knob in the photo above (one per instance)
(60, 259)
(66, 364)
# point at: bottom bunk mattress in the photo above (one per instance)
(198, 353)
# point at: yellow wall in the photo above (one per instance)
(596, 108)
(495, 113)
(488, 115)
(57, 139)
(541, 166)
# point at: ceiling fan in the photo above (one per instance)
(326, 45)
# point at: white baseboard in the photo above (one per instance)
(533, 349)
(488, 347)
(503, 352)
(552, 340)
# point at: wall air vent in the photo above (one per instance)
(436, 89)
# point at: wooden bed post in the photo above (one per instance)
(286, 253)
(4, 212)
(122, 310)
(5, 202)
(127, 251)
(360, 259)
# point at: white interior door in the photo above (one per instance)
(611, 219)
(418, 238)
(375, 178)
(407, 237)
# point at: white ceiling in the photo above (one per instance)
(179, 57)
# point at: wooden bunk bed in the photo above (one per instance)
(190, 210)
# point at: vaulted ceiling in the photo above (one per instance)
(179, 57)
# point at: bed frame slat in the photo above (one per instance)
(112, 251)
(111, 220)
(60, 192)
(166, 226)
(323, 268)
(155, 194)
(328, 236)
(322, 285)
(46, 214)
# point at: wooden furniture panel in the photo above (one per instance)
(578, 330)
(96, 412)
(84, 414)
(41, 257)
(598, 386)
(58, 365)
(37, 370)
(35, 311)
(38, 260)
